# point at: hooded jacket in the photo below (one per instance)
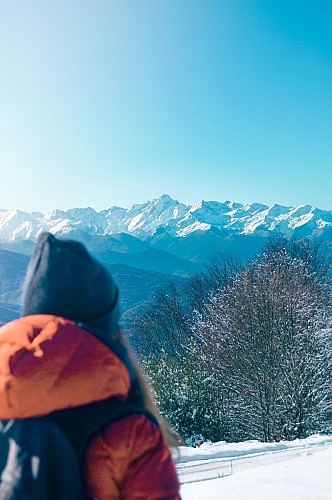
(50, 363)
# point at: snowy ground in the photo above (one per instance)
(298, 470)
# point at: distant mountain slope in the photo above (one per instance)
(200, 246)
(151, 259)
(136, 286)
(12, 271)
(166, 236)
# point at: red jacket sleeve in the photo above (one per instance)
(130, 460)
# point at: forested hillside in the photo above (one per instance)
(244, 351)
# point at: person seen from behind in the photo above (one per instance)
(67, 351)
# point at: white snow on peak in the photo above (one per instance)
(169, 215)
(60, 226)
(54, 214)
(14, 224)
(135, 222)
(196, 226)
(214, 212)
(146, 217)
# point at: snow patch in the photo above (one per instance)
(196, 226)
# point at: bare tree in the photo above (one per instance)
(245, 352)
(268, 335)
(163, 326)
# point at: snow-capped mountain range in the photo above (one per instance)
(146, 243)
(169, 216)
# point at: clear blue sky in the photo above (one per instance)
(113, 102)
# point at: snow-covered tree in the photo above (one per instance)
(186, 394)
(268, 335)
(245, 352)
(172, 358)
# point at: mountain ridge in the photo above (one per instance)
(149, 243)
(177, 219)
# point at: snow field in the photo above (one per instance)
(306, 477)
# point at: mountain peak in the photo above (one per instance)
(166, 198)
(166, 215)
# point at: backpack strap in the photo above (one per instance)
(81, 423)
(38, 461)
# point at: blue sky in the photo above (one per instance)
(113, 102)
